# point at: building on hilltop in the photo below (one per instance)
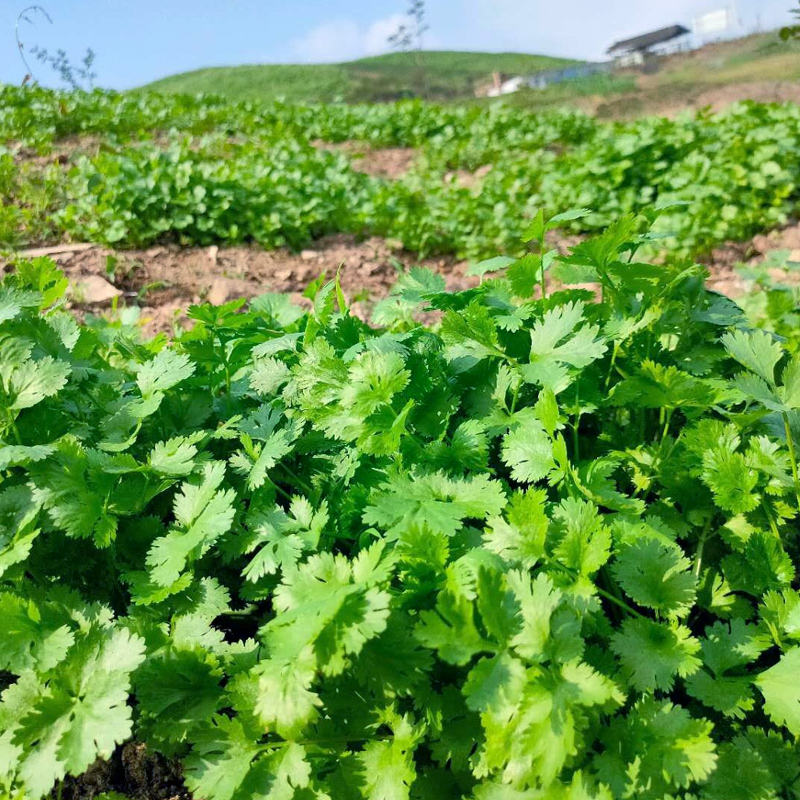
(631, 52)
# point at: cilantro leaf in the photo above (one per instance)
(656, 576)
(781, 691)
(557, 343)
(653, 653)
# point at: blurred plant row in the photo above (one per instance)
(139, 168)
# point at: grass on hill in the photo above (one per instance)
(450, 75)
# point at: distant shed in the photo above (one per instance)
(634, 51)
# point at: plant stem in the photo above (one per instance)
(325, 740)
(602, 592)
(281, 491)
(698, 558)
(18, 438)
(541, 251)
(667, 420)
(612, 364)
(575, 424)
(301, 484)
(515, 398)
(792, 457)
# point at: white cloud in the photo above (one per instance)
(344, 39)
(337, 40)
(376, 39)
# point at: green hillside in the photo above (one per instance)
(448, 74)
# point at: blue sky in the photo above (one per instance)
(139, 40)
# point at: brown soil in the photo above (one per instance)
(466, 179)
(669, 100)
(724, 259)
(721, 97)
(386, 162)
(131, 771)
(61, 152)
(164, 281)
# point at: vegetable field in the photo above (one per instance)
(142, 169)
(523, 541)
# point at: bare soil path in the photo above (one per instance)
(163, 281)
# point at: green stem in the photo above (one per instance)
(18, 438)
(575, 424)
(698, 558)
(301, 484)
(515, 398)
(621, 603)
(792, 456)
(771, 517)
(667, 420)
(325, 740)
(544, 286)
(602, 592)
(281, 491)
(612, 364)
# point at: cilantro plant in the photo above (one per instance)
(546, 548)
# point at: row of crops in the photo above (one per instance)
(200, 171)
(545, 549)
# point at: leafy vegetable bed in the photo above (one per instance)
(544, 550)
(200, 171)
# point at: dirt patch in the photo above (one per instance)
(724, 260)
(671, 99)
(721, 97)
(164, 281)
(60, 152)
(131, 771)
(386, 162)
(468, 180)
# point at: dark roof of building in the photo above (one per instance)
(649, 39)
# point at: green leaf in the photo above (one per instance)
(434, 501)
(176, 456)
(656, 748)
(557, 343)
(579, 539)
(653, 653)
(525, 274)
(537, 600)
(386, 768)
(80, 715)
(31, 382)
(203, 513)
(781, 691)
(657, 576)
(470, 333)
(790, 391)
(13, 300)
(480, 268)
(528, 451)
(28, 640)
(163, 372)
(519, 536)
(754, 765)
(268, 375)
(227, 764)
(756, 350)
(177, 693)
